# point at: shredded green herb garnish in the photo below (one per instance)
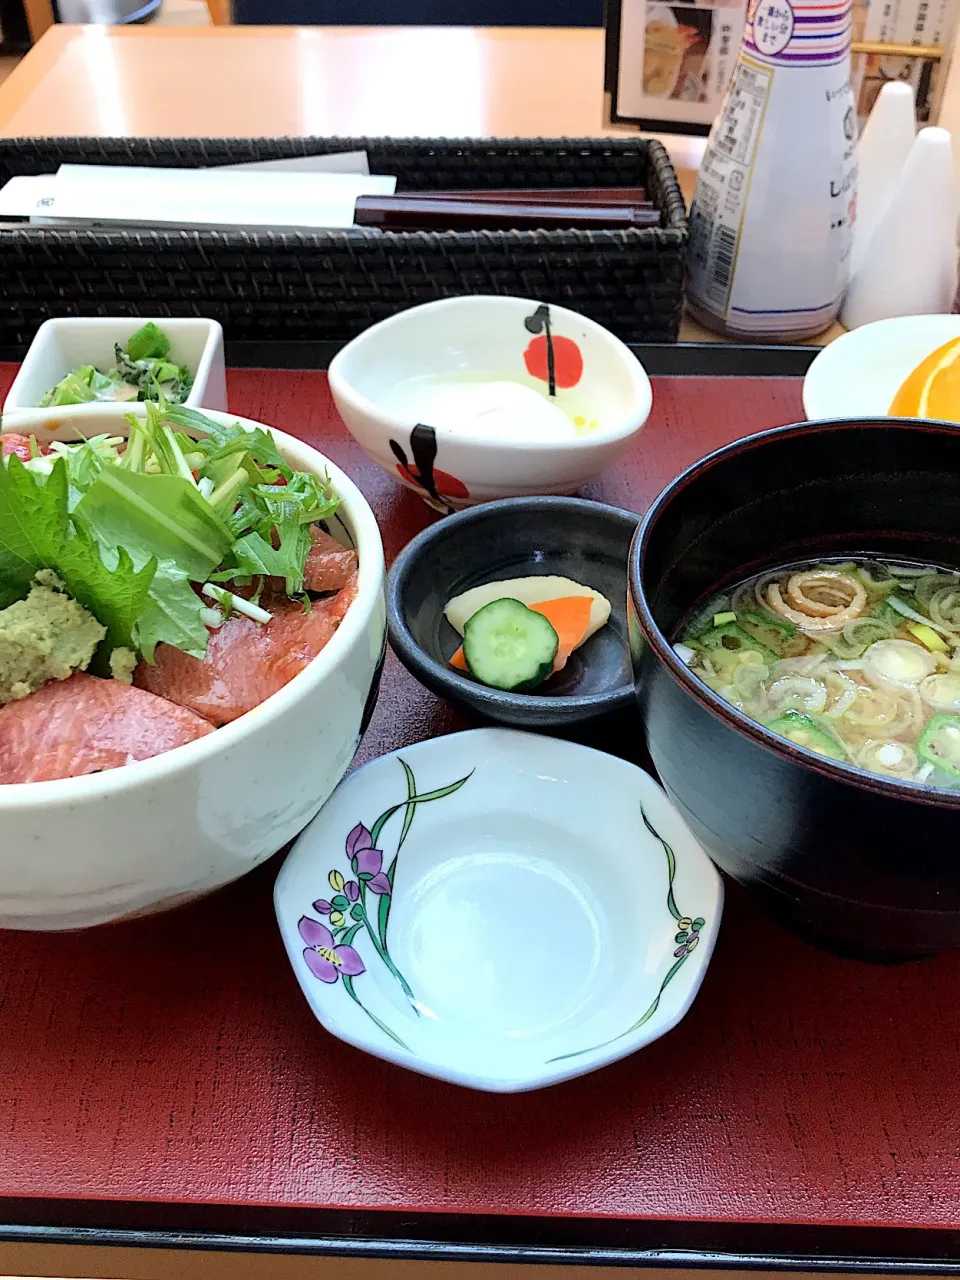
(135, 536)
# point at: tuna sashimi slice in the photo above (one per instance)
(246, 661)
(12, 442)
(84, 725)
(329, 566)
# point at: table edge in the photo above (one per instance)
(680, 359)
(430, 1236)
(661, 360)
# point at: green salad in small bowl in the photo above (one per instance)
(141, 371)
(81, 365)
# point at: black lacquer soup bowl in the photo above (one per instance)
(862, 864)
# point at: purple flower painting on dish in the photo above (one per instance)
(367, 862)
(325, 959)
(360, 907)
(345, 895)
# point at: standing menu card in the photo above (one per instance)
(668, 65)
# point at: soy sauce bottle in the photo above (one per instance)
(775, 201)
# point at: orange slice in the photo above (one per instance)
(933, 389)
(569, 616)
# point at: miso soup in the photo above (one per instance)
(858, 661)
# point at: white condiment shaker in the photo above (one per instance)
(882, 152)
(909, 266)
(770, 225)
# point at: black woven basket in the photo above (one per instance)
(329, 286)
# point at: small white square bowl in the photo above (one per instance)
(64, 344)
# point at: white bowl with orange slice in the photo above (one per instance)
(908, 367)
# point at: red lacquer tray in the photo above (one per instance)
(165, 1076)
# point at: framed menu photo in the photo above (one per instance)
(886, 26)
(668, 65)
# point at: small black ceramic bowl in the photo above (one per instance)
(866, 865)
(516, 538)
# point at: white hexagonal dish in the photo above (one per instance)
(535, 911)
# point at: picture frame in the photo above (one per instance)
(667, 64)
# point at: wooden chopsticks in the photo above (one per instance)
(521, 209)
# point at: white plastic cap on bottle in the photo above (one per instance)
(909, 266)
(882, 152)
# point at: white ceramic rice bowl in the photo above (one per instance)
(83, 851)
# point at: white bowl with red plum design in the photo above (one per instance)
(475, 398)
